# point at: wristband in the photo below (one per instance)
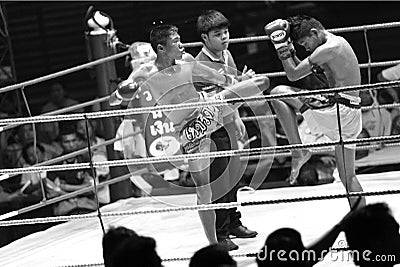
(284, 52)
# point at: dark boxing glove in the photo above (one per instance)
(126, 91)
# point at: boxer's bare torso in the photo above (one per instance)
(339, 62)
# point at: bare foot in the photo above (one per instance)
(297, 163)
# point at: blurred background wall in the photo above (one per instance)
(49, 36)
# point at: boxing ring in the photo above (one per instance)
(171, 220)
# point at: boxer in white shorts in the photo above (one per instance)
(333, 57)
(325, 121)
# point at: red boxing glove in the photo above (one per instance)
(141, 53)
(126, 90)
(278, 32)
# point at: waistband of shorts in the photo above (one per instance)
(356, 100)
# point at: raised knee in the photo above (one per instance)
(281, 89)
(263, 82)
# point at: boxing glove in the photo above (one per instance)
(126, 90)
(140, 53)
(278, 31)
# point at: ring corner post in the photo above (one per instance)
(100, 44)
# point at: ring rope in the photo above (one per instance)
(195, 207)
(368, 55)
(336, 30)
(193, 44)
(121, 178)
(140, 110)
(371, 107)
(317, 151)
(352, 88)
(74, 153)
(244, 255)
(183, 157)
(63, 72)
(105, 98)
(341, 142)
(380, 64)
(42, 187)
(116, 56)
(96, 192)
(175, 259)
(82, 151)
(70, 195)
(362, 65)
(66, 109)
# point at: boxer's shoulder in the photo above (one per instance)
(187, 57)
(146, 69)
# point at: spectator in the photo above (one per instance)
(16, 142)
(32, 155)
(396, 125)
(134, 146)
(4, 137)
(122, 246)
(285, 239)
(7, 197)
(214, 255)
(374, 229)
(58, 99)
(365, 152)
(72, 180)
(130, 146)
(112, 238)
(377, 122)
(6, 200)
(94, 139)
(389, 95)
(30, 182)
(98, 154)
(289, 241)
(23, 190)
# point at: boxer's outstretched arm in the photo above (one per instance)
(142, 71)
